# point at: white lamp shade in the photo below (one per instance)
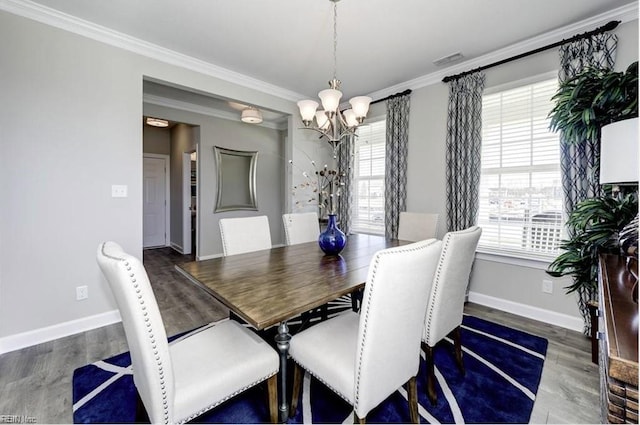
(360, 105)
(350, 118)
(322, 120)
(619, 152)
(330, 99)
(307, 109)
(251, 116)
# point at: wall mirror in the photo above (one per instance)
(236, 179)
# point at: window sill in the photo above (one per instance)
(541, 263)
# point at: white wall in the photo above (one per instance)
(70, 121)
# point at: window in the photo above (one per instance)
(368, 184)
(520, 187)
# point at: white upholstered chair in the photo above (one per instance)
(301, 227)
(446, 301)
(181, 381)
(245, 234)
(417, 226)
(365, 357)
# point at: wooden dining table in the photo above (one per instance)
(269, 287)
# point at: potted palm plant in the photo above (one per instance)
(593, 99)
(595, 225)
(583, 105)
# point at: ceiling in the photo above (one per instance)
(382, 45)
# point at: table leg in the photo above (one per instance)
(282, 342)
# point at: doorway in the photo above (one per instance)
(155, 200)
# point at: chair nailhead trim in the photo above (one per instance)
(372, 287)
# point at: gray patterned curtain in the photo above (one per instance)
(395, 181)
(464, 138)
(580, 160)
(344, 159)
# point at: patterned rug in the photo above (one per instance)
(503, 369)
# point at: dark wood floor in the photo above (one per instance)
(35, 382)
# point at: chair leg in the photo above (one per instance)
(412, 390)
(357, 420)
(142, 417)
(356, 299)
(272, 389)
(431, 378)
(295, 392)
(455, 335)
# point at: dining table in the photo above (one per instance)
(268, 287)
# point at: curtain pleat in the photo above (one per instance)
(464, 139)
(580, 159)
(396, 150)
(344, 158)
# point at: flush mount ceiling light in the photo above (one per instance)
(251, 115)
(331, 123)
(157, 122)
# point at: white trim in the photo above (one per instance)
(209, 257)
(49, 16)
(61, 330)
(514, 259)
(177, 247)
(167, 192)
(547, 316)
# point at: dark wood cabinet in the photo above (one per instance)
(618, 341)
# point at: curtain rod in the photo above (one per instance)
(607, 27)
(392, 96)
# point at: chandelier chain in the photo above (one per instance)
(335, 39)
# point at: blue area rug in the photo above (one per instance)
(503, 368)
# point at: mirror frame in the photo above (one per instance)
(220, 154)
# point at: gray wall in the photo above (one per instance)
(71, 127)
(232, 135)
(156, 140)
(513, 287)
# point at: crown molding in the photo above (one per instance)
(49, 16)
(204, 110)
(625, 14)
(52, 17)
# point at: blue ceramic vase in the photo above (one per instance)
(332, 240)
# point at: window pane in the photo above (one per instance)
(520, 187)
(368, 208)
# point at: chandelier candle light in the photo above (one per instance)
(334, 125)
(330, 122)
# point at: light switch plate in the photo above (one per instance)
(118, 191)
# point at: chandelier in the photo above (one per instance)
(330, 122)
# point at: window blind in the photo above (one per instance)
(369, 166)
(520, 186)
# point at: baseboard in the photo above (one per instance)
(209, 257)
(530, 312)
(177, 247)
(49, 333)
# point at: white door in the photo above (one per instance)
(154, 202)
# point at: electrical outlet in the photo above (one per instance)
(119, 191)
(82, 293)
(547, 287)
